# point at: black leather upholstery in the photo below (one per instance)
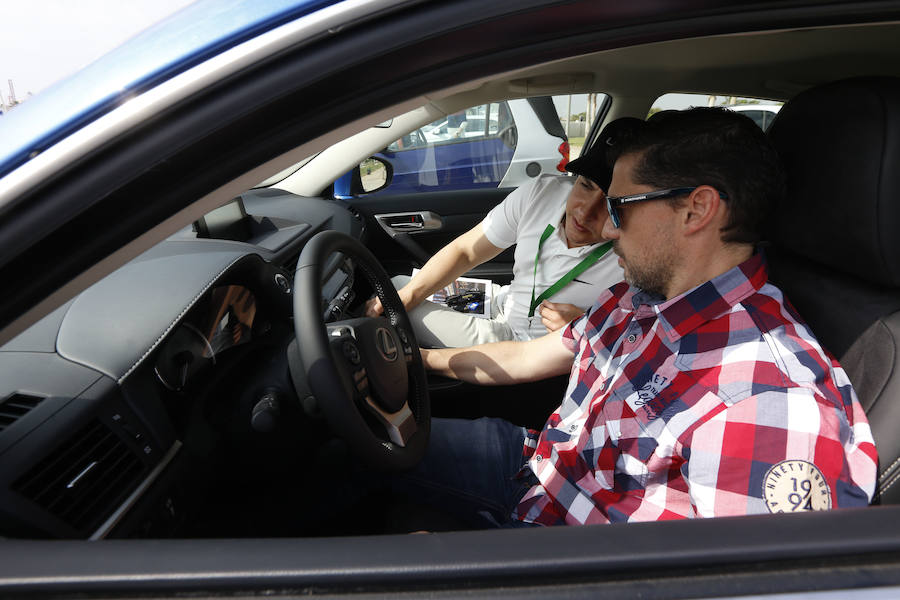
(836, 240)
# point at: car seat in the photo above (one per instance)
(835, 240)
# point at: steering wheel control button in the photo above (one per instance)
(345, 296)
(362, 383)
(282, 282)
(334, 311)
(264, 416)
(351, 352)
(404, 338)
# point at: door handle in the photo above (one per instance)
(401, 226)
(408, 226)
(409, 222)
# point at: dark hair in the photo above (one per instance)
(716, 147)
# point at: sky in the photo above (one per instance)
(43, 41)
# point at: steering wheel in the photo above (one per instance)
(365, 373)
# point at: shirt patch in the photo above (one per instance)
(796, 486)
(648, 397)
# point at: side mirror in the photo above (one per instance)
(372, 175)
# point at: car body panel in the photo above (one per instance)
(189, 37)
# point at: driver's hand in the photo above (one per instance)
(373, 307)
(555, 315)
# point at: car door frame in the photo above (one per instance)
(74, 225)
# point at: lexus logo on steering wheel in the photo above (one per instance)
(385, 343)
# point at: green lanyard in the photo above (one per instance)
(595, 255)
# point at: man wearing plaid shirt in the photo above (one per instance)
(696, 389)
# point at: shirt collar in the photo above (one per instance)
(710, 300)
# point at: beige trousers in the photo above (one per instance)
(439, 326)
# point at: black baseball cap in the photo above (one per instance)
(597, 163)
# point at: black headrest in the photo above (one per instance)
(840, 145)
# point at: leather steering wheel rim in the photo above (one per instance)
(335, 380)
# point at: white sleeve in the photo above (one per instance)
(501, 225)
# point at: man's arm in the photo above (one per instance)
(779, 451)
(468, 250)
(503, 363)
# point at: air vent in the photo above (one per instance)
(15, 407)
(85, 479)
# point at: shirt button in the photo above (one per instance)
(573, 427)
(539, 458)
(631, 338)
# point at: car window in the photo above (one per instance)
(498, 144)
(758, 117)
(761, 110)
(473, 124)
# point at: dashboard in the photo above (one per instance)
(225, 321)
(115, 406)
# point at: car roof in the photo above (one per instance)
(183, 40)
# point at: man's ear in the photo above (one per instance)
(702, 209)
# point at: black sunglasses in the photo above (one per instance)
(614, 202)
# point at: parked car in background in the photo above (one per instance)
(499, 144)
(762, 114)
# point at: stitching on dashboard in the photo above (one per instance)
(189, 306)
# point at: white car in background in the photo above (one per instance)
(762, 114)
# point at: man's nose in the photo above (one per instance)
(609, 232)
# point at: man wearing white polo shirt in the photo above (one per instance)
(562, 263)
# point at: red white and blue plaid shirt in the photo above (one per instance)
(716, 402)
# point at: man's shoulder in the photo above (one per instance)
(773, 315)
(548, 185)
(767, 346)
(556, 182)
(598, 315)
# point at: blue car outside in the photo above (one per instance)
(502, 144)
(459, 165)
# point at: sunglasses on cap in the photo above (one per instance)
(614, 202)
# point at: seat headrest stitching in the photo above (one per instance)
(886, 486)
(886, 471)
